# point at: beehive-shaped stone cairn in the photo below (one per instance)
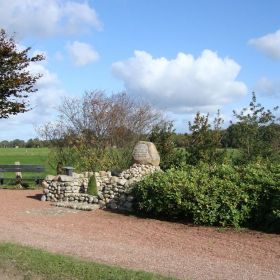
(146, 153)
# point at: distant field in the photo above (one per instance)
(26, 156)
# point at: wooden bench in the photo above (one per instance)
(20, 168)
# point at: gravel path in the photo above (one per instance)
(183, 251)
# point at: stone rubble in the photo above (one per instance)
(113, 192)
(76, 205)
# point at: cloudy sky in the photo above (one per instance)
(182, 56)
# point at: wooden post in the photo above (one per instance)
(18, 174)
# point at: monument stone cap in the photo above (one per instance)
(146, 152)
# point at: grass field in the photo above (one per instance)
(26, 156)
(20, 262)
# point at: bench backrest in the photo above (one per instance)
(21, 168)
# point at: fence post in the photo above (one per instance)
(18, 174)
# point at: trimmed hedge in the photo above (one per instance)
(220, 195)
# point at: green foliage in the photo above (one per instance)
(161, 194)
(205, 140)
(263, 181)
(221, 195)
(163, 137)
(120, 158)
(92, 188)
(180, 140)
(256, 132)
(98, 131)
(31, 143)
(23, 262)
(231, 137)
(16, 81)
(176, 159)
(270, 137)
(92, 159)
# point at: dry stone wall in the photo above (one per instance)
(113, 191)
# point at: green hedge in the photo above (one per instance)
(221, 195)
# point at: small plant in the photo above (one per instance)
(92, 187)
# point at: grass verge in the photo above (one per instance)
(32, 264)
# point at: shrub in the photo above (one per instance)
(221, 195)
(160, 194)
(92, 187)
(92, 159)
(263, 185)
(175, 159)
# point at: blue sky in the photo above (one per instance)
(182, 56)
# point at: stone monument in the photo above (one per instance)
(146, 153)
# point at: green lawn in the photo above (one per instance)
(27, 263)
(26, 156)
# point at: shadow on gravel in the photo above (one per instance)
(36, 196)
(151, 217)
(227, 230)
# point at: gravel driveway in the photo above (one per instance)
(183, 251)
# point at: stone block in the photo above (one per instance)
(146, 153)
(49, 178)
(65, 178)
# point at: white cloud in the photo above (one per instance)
(268, 87)
(47, 17)
(49, 93)
(82, 53)
(44, 103)
(269, 44)
(183, 84)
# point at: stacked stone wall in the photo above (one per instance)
(113, 190)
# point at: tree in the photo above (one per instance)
(16, 82)
(257, 131)
(89, 129)
(34, 143)
(231, 136)
(204, 142)
(17, 143)
(163, 136)
(4, 144)
(106, 121)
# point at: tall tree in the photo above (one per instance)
(162, 135)
(16, 81)
(258, 130)
(205, 140)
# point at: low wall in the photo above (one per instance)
(114, 192)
